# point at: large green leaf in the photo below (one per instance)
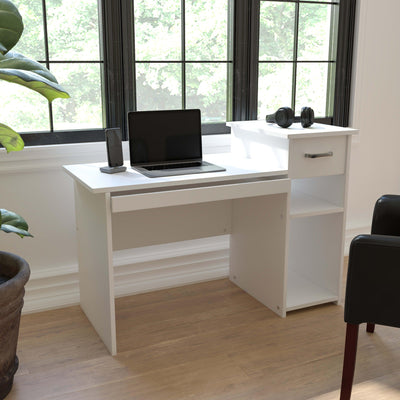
(16, 68)
(11, 26)
(10, 139)
(10, 222)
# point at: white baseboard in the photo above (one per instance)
(136, 271)
(143, 270)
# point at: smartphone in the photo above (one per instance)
(114, 147)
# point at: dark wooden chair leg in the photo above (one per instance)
(370, 328)
(349, 362)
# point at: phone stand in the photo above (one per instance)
(113, 170)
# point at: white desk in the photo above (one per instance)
(249, 200)
(282, 198)
(317, 160)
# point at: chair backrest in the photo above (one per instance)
(386, 217)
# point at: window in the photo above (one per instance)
(297, 55)
(64, 36)
(182, 57)
(300, 54)
(232, 59)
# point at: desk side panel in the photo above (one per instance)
(258, 249)
(93, 219)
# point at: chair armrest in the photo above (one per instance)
(386, 217)
(373, 280)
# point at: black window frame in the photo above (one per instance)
(117, 33)
(296, 62)
(245, 90)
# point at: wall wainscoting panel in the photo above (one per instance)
(135, 271)
(142, 270)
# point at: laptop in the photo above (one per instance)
(167, 143)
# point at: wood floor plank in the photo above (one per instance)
(209, 341)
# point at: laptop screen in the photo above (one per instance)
(163, 136)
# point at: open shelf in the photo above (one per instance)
(305, 205)
(303, 293)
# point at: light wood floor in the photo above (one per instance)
(205, 341)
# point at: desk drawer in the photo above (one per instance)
(317, 156)
(143, 201)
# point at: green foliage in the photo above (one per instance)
(73, 35)
(277, 23)
(158, 38)
(16, 68)
(11, 222)
(11, 26)
(10, 139)
(157, 30)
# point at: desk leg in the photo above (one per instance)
(258, 249)
(96, 280)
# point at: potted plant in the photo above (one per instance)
(14, 271)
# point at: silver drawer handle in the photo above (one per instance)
(318, 155)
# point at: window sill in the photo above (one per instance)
(36, 158)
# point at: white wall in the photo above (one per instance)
(33, 184)
(375, 160)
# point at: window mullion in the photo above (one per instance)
(128, 54)
(344, 62)
(113, 65)
(229, 66)
(295, 54)
(47, 57)
(245, 59)
(253, 58)
(183, 53)
(331, 81)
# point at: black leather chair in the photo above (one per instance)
(373, 282)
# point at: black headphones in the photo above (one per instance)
(284, 117)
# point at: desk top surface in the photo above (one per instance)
(295, 131)
(90, 176)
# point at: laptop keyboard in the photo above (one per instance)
(173, 166)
